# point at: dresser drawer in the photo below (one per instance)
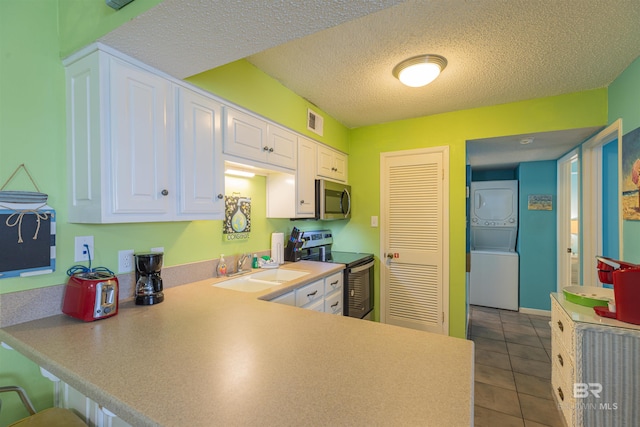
(561, 362)
(309, 293)
(563, 326)
(563, 394)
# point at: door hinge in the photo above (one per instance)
(443, 317)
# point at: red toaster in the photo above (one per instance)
(91, 296)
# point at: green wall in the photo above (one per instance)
(624, 97)
(243, 84)
(453, 129)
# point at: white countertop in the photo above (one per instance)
(210, 356)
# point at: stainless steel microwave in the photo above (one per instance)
(333, 200)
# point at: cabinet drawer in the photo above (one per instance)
(333, 283)
(333, 303)
(309, 293)
(316, 306)
(287, 299)
(563, 326)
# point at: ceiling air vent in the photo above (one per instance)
(315, 122)
(117, 4)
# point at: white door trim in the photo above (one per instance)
(592, 199)
(564, 218)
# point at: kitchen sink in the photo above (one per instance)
(279, 276)
(256, 282)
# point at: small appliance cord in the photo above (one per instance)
(82, 269)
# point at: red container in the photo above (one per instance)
(606, 267)
(626, 289)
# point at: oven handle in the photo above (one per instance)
(361, 268)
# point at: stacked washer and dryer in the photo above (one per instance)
(493, 280)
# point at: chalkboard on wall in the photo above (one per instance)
(27, 241)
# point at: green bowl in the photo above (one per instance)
(588, 296)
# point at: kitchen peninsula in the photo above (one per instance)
(211, 356)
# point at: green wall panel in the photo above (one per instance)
(243, 84)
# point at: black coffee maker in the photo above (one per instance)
(148, 281)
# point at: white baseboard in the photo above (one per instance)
(535, 311)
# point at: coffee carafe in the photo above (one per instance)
(148, 281)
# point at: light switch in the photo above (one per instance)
(374, 221)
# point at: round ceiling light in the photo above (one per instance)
(419, 70)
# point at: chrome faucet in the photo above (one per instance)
(241, 260)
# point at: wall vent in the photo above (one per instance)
(315, 122)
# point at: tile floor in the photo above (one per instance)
(512, 369)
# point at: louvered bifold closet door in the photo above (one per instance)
(414, 209)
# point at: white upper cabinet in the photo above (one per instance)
(126, 146)
(332, 164)
(306, 179)
(249, 137)
(201, 168)
(141, 156)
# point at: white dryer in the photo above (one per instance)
(494, 277)
(494, 215)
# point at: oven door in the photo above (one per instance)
(359, 290)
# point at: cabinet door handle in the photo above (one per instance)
(560, 326)
(220, 196)
(271, 149)
(561, 394)
(302, 202)
(335, 305)
(334, 283)
(560, 359)
(164, 192)
(312, 294)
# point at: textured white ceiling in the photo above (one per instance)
(498, 52)
(339, 54)
(187, 37)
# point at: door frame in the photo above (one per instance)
(591, 166)
(564, 216)
(444, 150)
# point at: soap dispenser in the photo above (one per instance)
(222, 267)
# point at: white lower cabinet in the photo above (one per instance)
(324, 295)
(594, 367)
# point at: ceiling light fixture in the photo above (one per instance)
(419, 70)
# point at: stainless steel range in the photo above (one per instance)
(358, 274)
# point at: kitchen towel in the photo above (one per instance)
(277, 247)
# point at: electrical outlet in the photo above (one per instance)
(81, 253)
(125, 261)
